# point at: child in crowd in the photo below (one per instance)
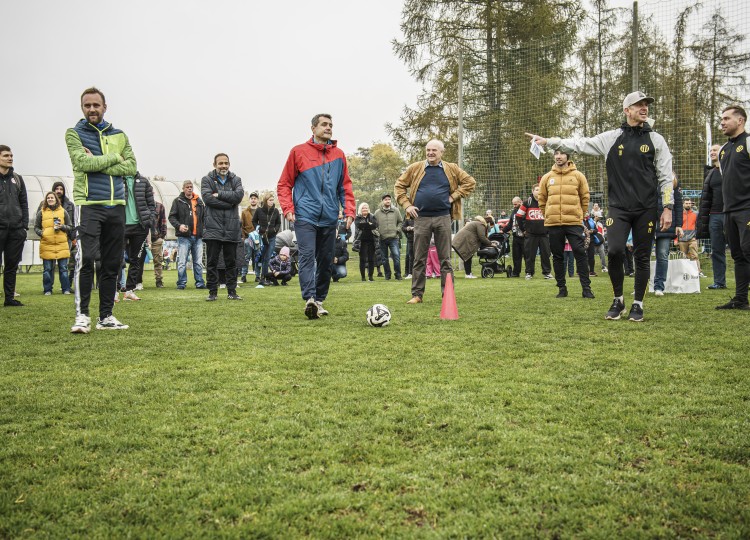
(280, 268)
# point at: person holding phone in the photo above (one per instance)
(53, 225)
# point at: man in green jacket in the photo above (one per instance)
(101, 156)
(389, 227)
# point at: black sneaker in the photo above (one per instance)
(211, 297)
(588, 293)
(13, 303)
(563, 293)
(732, 304)
(311, 308)
(233, 296)
(715, 286)
(636, 313)
(616, 311)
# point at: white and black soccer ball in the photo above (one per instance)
(378, 315)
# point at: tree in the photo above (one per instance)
(374, 172)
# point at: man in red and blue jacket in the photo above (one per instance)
(313, 186)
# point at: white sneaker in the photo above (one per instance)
(311, 308)
(605, 270)
(407, 276)
(110, 323)
(117, 297)
(701, 274)
(529, 276)
(130, 295)
(139, 287)
(321, 310)
(48, 293)
(82, 325)
(223, 286)
(548, 276)
(470, 276)
(658, 293)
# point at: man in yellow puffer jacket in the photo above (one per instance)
(563, 198)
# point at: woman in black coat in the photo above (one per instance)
(267, 221)
(366, 226)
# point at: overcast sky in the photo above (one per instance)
(187, 79)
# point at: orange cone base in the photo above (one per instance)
(449, 311)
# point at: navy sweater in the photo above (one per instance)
(433, 193)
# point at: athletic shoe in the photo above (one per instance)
(735, 304)
(616, 311)
(159, 285)
(211, 297)
(563, 293)
(592, 274)
(67, 292)
(399, 278)
(548, 276)
(701, 274)
(13, 303)
(636, 313)
(605, 269)
(321, 310)
(588, 293)
(415, 300)
(181, 288)
(117, 297)
(407, 276)
(234, 296)
(110, 323)
(48, 293)
(223, 286)
(529, 276)
(130, 295)
(658, 293)
(139, 286)
(714, 286)
(259, 286)
(470, 276)
(16, 294)
(311, 308)
(82, 325)
(202, 286)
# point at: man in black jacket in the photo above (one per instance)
(140, 215)
(734, 163)
(639, 171)
(711, 219)
(531, 222)
(187, 216)
(14, 222)
(222, 192)
(340, 256)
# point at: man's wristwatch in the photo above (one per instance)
(669, 206)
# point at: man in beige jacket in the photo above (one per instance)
(435, 189)
(563, 198)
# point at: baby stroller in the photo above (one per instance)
(492, 258)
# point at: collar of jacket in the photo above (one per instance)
(569, 166)
(322, 147)
(645, 128)
(215, 176)
(8, 175)
(91, 127)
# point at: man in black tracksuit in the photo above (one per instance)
(530, 220)
(639, 171)
(14, 221)
(518, 239)
(734, 163)
(140, 217)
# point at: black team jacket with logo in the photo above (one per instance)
(734, 163)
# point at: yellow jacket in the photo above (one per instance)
(461, 183)
(563, 196)
(53, 243)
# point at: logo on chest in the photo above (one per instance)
(645, 148)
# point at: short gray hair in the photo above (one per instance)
(187, 183)
(439, 143)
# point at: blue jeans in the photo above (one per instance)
(249, 257)
(718, 248)
(269, 245)
(662, 262)
(338, 271)
(48, 277)
(194, 246)
(394, 245)
(315, 244)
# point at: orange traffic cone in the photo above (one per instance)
(449, 311)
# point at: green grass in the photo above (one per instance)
(530, 416)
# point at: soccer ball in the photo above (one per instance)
(378, 315)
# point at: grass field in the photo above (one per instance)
(529, 417)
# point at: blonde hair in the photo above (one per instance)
(267, 195)
(361, 206)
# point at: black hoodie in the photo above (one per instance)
(14, 204)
